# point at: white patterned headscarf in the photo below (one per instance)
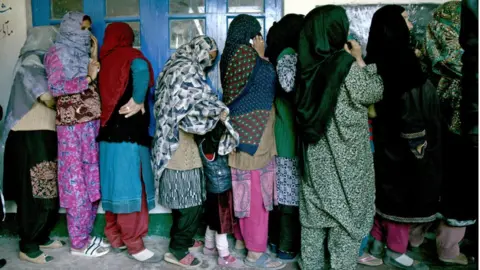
(184, 100)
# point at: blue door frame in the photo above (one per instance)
(154, 24)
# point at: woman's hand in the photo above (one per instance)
(131, 108)
(355, 51)
(94, 48)
(48, 100)
(93, 68)
(418, 53)
(223, 116)
(259, 45)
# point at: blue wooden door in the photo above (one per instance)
(161, 26)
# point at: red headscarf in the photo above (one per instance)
(116, 56)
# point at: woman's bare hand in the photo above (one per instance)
(131, 108)
(259, 45)
(93, 68)
(224, 116)
(356, 50)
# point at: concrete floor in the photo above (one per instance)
(63, 260)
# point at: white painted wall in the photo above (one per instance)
(13, 17)
(304, 6)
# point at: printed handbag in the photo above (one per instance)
(78, 108)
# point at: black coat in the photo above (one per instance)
(408, 182)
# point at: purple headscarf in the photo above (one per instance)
(73, 45)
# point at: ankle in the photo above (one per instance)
(254, 255)
(239, 244)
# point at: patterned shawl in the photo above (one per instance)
(30, 81)
(73, 45)
(445, 54)
(241, 30)
(248, 83)
(184, 100)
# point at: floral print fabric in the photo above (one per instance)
(44, 180)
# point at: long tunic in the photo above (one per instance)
(342, 188)
(124, 150)
(287, 170)
(78, 163)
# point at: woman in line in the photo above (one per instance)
(128, 190)
(284, 220)
(30, 168)
(185, 105)
(337, 191)
(71, 75)
(459, 192)
(248, 89)
(407, 139)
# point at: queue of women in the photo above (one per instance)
(280, 158)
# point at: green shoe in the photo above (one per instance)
(377, 249)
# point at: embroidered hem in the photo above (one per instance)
(127, 206)
(408, 219)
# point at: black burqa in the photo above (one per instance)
(408, 178)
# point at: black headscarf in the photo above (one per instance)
(324, 65)
(283, 34)
(389, 48)
(241, 30)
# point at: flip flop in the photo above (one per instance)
(195, 262)
(197, 246)
(41, 259)
(262, 263)
(369, 260)
(53, 244)
(460, 260)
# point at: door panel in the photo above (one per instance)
(161, 26)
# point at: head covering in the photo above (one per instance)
(30, 81)
(283, 34)
(73, 45)
(248, 83)
(184, 100)
(443, 50)
(241, 30)
(389, 48)
(324, 65)
(116, 56)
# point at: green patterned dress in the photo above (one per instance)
(338, 205)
